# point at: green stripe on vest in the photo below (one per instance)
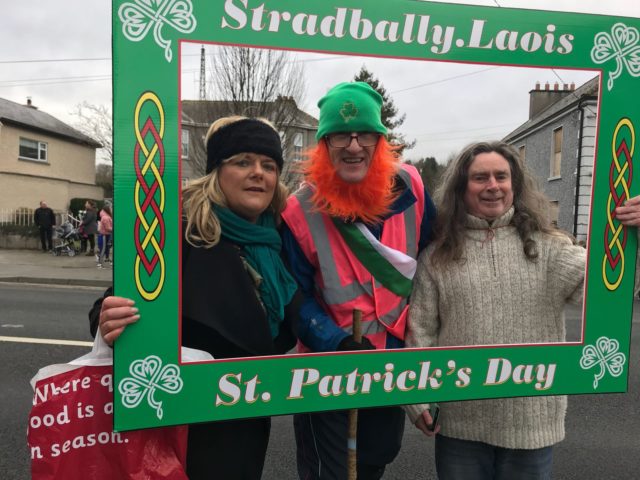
(381, 269)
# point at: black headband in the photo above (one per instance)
(244, 136)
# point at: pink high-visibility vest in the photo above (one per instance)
(342, 282)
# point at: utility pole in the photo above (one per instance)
(203, 84)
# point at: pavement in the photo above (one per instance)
(35, 266)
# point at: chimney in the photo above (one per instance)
(540, 99)
(30, 105)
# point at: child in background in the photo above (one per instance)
(105, 229)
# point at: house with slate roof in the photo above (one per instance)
(43, 158)
(298, 130)
(558, 144)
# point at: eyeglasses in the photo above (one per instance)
(343, 140)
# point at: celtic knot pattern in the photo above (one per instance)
(623, 46)
(149, 230)
(146, 376)
(139, 16)
(620, 176)
(606, 355)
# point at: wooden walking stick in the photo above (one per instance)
(353, 413)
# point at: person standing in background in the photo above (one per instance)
(105, 229)
(45, 220)
(89, 227)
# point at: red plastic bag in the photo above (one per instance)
(70, 430)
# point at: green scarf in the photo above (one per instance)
(262, 244)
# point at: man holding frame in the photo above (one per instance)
(497, 272)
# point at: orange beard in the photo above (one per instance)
(367, 201)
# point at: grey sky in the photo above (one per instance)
(447, 105)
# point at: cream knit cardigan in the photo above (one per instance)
(497, 296)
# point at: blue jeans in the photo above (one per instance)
(104, 245)
(467, 460)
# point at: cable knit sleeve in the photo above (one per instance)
(423, 323)
(567, 270)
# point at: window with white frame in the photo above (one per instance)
(298, 143)
(556, 153)
(32, 150)
(184, 143)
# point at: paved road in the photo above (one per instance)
(35, 312)
(603, 440)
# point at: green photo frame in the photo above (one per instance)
(155, 386)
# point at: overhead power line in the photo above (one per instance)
(446, 132)
(444, 80)
(81, 77)
(52, 60)
(46, 81)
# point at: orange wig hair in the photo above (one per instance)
(368, 200)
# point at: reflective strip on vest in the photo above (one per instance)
(333, 292)
(367, 328)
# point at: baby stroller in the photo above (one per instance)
(65, 240)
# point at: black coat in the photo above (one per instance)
(221, 313)
(221, 310)
(89, 222)
(44, 217)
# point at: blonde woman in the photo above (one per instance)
(237, 295)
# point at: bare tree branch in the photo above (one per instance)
(96, 122)
(254, 80)
(260, 83)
